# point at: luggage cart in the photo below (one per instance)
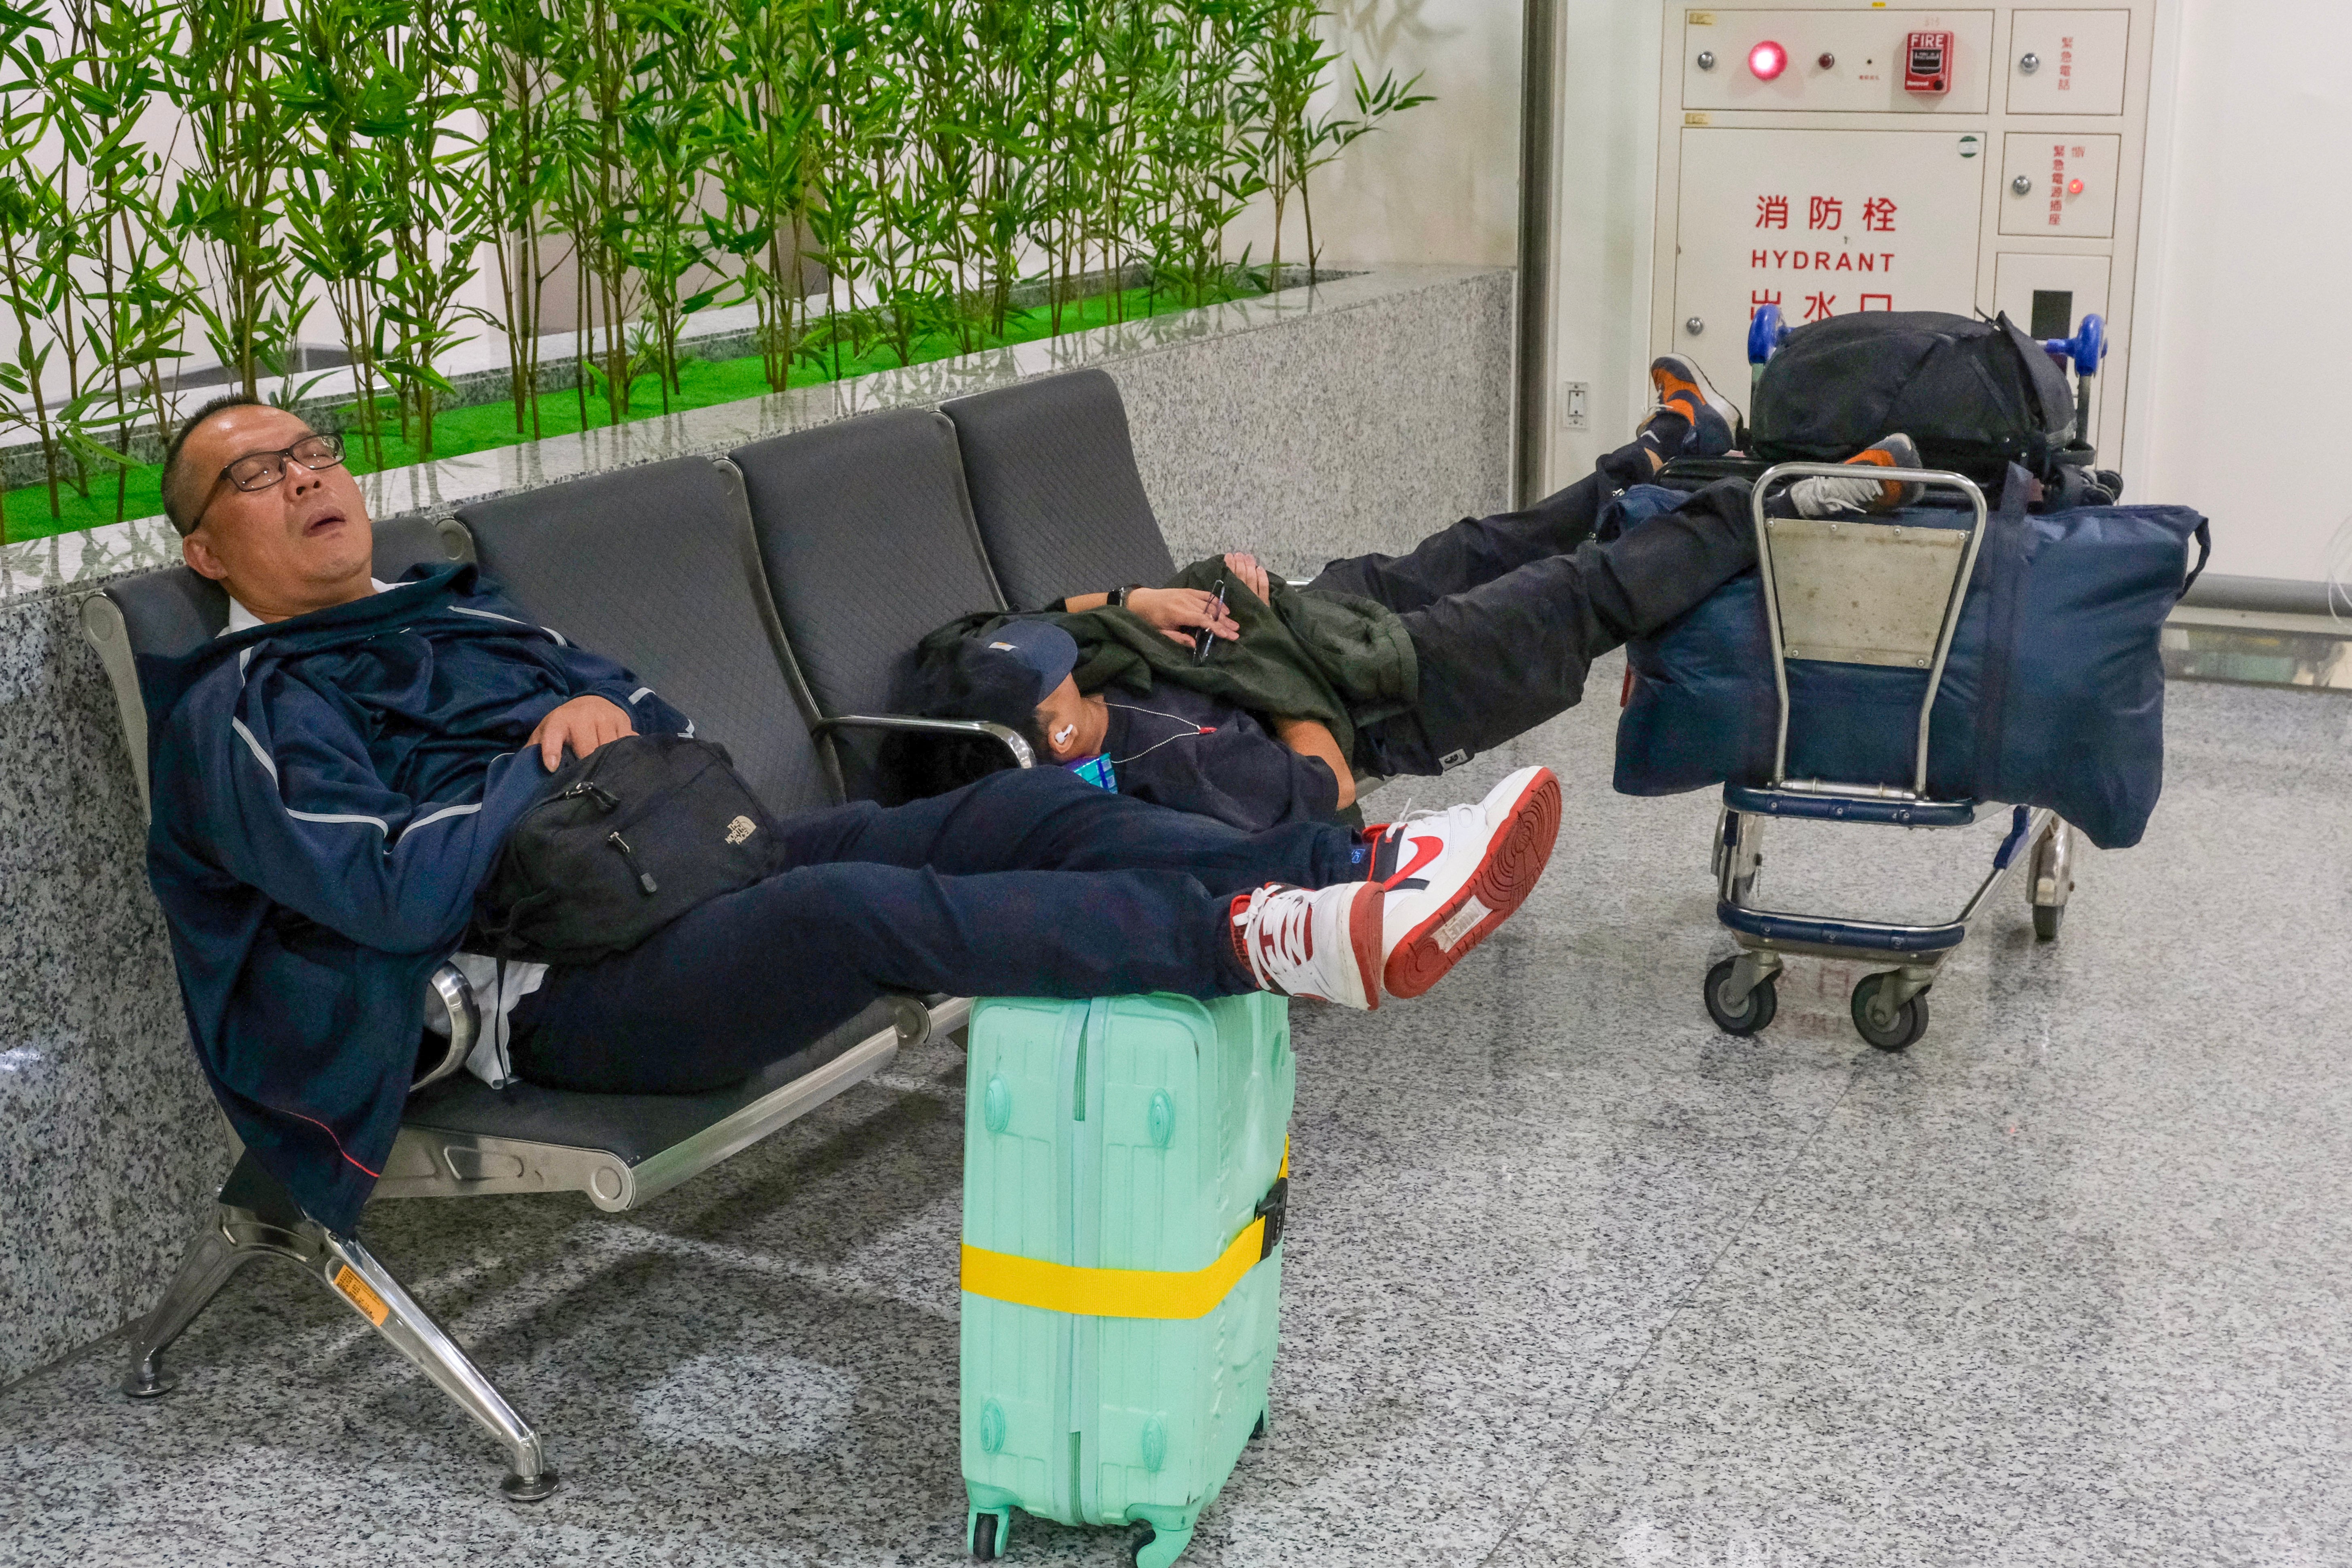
(1867, 592)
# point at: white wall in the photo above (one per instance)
(1441, 183)
(2244, 399)
(1605, 166)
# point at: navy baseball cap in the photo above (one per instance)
(1040, 647)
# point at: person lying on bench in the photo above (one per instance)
(1382, 665)
(334, 777)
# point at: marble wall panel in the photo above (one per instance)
(107, 1141)
(1344, 432)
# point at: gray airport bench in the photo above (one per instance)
(771, 595)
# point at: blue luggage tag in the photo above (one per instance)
(1096, 770)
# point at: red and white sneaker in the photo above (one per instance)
(1323, 944)
(1452, 876)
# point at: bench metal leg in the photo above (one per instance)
(354, 1274)
(254, 1216)
(207, 1267)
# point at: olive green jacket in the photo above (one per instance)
(1341, 660)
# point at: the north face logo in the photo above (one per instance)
(740, 829)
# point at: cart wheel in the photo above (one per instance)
(1910, 1019)
(1753, 1011)
(1139, 1541)
(2045, 920)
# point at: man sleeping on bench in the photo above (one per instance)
(1382, 665)
(335, 776)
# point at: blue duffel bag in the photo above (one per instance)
(2053, 694)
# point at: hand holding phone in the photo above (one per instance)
(1204, 638)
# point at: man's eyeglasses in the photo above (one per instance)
(259, 470)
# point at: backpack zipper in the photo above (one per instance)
(645, 878)
(632, 813)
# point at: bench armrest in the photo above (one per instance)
(1010, 739)
(448, 999)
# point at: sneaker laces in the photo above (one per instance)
(1823, 494)
(1396, 824)
(1277, 938)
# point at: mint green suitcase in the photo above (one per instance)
(1125, 1165)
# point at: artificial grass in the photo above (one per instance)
(24, 512)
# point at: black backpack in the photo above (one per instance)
(1976, 395)
(625, 840)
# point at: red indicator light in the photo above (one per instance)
(1767, 60)
(2073, 188)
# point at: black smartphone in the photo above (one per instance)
(1203, 638)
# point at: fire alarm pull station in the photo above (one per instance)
(1927, 63)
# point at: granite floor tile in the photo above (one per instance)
(1973, 1327)
(2067, 1282)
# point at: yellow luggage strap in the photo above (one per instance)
(1131, 1292)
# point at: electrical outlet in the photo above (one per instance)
(1576, 406)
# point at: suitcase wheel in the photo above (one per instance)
(987, 1534)
(1149, 1548)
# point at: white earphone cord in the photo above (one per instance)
(1190, 729)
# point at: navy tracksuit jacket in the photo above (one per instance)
(329, 791)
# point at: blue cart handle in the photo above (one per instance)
(2086, 348)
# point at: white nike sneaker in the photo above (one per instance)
(1452, 876)
(1323, 944)
(1825, 496)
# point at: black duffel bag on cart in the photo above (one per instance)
(1976, 396)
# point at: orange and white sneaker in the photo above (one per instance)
(1826, 496)
(1452, 876)
(1323, 944)
(1683, 392)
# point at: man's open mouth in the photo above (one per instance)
(322, 523)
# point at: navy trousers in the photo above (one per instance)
(1507, 613)
(1027, 883)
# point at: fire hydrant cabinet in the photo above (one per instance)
(1852, 156)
